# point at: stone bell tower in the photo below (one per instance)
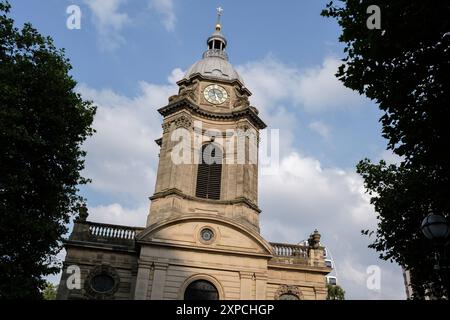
(202, 238)
(211, 108)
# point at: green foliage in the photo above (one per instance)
(335, 292)
(43, 123)
(405, 68)
(49, 292)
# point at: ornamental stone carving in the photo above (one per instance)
(286, 290)
(189, 91)
(82, 213)
(166, 127)
(314, 240)
(183, 121)
(242, 127)
(241, 99)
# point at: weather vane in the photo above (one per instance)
(219, 13)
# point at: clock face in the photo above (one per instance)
(215, 94)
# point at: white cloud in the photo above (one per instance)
(304, 196)
(108, 21)
(176, 75)
(315, 89)
(270, 81)
(117, 214)
(319, 89)
(321, 128)
(165, 9)
(122, 160)
(122, 155)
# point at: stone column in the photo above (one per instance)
(246, 285)
(159, 281)
(142, 279)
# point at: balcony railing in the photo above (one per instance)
(112, 231)
(292, 254)
(104, 233)
(289, 250)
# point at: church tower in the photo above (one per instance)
(202, 237)
(209, 148)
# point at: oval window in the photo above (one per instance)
(102, 283)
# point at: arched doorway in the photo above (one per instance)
(201, 290)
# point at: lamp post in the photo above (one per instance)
(436, 229)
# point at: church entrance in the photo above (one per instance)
(201, 290)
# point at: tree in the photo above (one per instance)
(43, 123)
(49, 292)
(405, 68)
(335, 292)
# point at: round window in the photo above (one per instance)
(102, 283)
(207, 235)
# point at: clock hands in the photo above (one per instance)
(215, 95)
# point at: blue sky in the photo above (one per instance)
(126, 58)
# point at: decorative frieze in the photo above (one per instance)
(183, 121)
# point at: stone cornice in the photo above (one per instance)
(199, 76)
(101, 246)
(184, 103)
(179, 193)
(205, 249)
(317, 269)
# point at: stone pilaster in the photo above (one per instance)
(261, 286)
(142, 280)
(159, 281)
(246, 285)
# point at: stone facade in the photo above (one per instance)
(190, 238)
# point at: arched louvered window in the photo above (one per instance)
(209, 173)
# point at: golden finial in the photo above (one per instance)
(219, 11)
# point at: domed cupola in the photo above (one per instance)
(216, 45)
(214, 64)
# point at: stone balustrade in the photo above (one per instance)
(95, 232)
(289, 250)
(111, 231)
(285, 253)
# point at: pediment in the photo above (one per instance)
(186, 231)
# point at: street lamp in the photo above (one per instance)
(436, 229)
